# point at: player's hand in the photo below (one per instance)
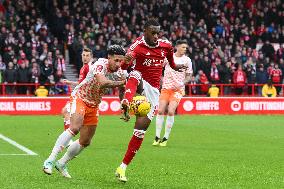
(125, 110)
(129, 57)
(65, 81)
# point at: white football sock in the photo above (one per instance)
(159, 125)
(60, 144)
(123, 166)
(74, 149)
(169, 124)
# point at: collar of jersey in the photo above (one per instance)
(149, 45)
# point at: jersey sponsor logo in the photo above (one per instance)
(152, 62)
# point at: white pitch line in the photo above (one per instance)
(14, 143)
(14, 154)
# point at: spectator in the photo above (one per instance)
(239, 78)
(201, 78)
(261, 78)
(34, 74)
(269, 90)
(60, 67)
(268, 50)
(22, 78)
(45, 72)
(276, 75)
(23, 59)
(10, 78)
(41, 91)
(213, 90)
(226, 76)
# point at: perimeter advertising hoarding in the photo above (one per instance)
(111, 105)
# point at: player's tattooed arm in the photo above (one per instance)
(180, 67)
(106, 83)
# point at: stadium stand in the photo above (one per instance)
(223, 36)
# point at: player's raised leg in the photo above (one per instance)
(141, 125)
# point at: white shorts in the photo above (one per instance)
(152, 94)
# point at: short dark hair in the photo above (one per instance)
(151, 22)
(116, 50)
(86, 49)
(181, 41)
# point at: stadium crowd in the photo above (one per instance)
(230, 42)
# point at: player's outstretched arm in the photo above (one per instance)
(68, 82)
(106, 83)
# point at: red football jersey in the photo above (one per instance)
(149, 61)
(83, 72)
(276, 75)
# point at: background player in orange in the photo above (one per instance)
(85, 100)
(87, 58)
(146, 55)
(172, 91)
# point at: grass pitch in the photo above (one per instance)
(203, 152)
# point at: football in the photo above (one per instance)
(140, 106)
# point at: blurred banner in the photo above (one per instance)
(111, 105)
(49, 105)
(231, 105)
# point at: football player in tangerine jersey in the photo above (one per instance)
(87, 56)
(85, 100)
(146, 55)
(172, 92)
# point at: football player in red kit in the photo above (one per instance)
(146, 56)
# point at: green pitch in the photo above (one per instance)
(203, 152)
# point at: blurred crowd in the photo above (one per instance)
(29, 53)
(230, 41)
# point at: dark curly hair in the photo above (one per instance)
(116, 50)
(151, 22)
